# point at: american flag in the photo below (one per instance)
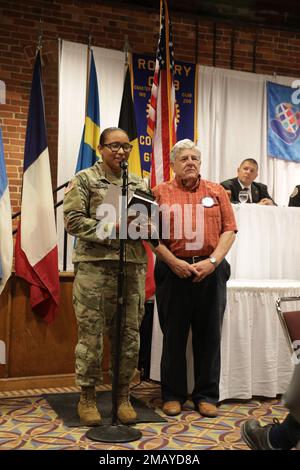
(161, 119)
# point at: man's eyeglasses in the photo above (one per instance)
(115, 147)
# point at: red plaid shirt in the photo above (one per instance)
(217, 219)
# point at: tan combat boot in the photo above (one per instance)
(126, 412)
(87, 408)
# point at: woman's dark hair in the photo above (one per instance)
(105, 133)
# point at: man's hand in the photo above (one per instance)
(266, 202)
(203, 269)
(182, 269)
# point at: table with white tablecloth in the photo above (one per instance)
(255, 356)
(267, 244)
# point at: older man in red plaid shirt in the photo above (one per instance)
(191, 274)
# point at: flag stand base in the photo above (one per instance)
(114, 433)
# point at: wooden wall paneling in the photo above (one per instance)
(37, 348)
(38, 354)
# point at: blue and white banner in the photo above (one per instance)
(6, 239)
(283, 122)
(184, 81)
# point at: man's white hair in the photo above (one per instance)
(181, 145)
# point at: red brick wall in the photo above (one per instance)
(74, 20)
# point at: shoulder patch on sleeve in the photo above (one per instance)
(295, 192)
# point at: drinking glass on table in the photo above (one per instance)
(243, 196)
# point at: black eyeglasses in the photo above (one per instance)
(115, 147)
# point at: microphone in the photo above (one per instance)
(123, 163)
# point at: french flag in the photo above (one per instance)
(36, 258)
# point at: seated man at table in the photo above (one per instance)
(295, 197)
(246, 174)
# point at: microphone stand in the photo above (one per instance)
(116, 432)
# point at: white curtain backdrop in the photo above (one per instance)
(232, 124)
(72, 97)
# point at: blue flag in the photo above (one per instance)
(6, 239)
(283, 122)
(88, 152)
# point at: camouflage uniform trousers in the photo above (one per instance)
(95, 303)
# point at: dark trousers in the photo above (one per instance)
(183, 304)
(145, 341)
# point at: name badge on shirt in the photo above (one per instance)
(207, 201)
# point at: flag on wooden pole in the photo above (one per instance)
(162, 116)
(6, 239)
(127, 122)
(36, 258)
(88, 151)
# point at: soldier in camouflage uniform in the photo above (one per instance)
(95, 284)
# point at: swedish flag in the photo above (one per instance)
(128, 123)
(88, 152)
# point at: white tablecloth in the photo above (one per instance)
(255, 356)
(267, 245)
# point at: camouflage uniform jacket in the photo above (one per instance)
(84, 194)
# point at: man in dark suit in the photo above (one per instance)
(295, 197)
(246, 174)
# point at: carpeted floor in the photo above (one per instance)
(28, 422)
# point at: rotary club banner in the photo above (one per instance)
(184, 81)
(283, 122)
